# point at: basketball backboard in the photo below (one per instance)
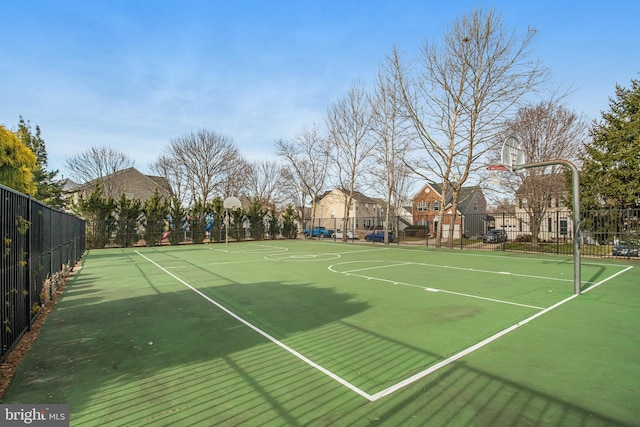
(232, 203)
(512, 153)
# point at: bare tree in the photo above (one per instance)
(348, 123)
(308, 156)
(264, 180)
(292, 188)
(546, 131)
(176, 175)
(96, 163)
(461, 94)
(205, 164)
(237, 180)
(391, 133)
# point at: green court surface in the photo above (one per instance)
(320, 333)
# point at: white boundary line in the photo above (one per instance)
(482, 343)
(607, 279)
(264, 334)
(407, 381)
(430, 289)
(448, 267)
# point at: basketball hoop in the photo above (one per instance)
(232, 203)
(512, 154)
(496, 173)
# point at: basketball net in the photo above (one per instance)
(496, 173)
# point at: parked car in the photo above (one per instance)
(377, 236)
(319, 232)
(494, 236)
(622, 249)
(350, 235)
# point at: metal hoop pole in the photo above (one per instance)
(575, 179)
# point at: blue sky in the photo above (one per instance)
(134, 74)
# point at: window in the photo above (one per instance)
(436, 205)
(564, 227)
(422, 206)
(523, 203)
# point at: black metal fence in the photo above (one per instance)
(603, 233)
(39, 245)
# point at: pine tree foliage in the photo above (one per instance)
(610, 175)
(48, 188)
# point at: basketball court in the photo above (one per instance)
(320, 333)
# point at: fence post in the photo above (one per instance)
(557, 232)
(30, 279)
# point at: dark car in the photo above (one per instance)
(377, 236)
(495, 236)
(622, 249)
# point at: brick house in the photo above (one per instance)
(470, 219)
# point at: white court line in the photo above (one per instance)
(264, 334)
(607, 279)
(545, 257)
(481, 344)
(484, 298)
(448, 267)
(269, 248)
(405, 382)
(395, 282)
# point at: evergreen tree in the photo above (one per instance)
(289, 228)
(256, 217)
(274, 223)
(156, 210)
(129, 216)
(197, 221)
(176, 221)
(610, 175)
(48, 188)
(98, 212)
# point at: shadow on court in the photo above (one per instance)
(112, 354)
(158, 354)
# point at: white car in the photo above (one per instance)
(350, 235)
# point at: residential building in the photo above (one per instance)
(542, 199)
(470, 219)
(365, 212)
(133, 183)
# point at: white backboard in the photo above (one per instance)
(512, 153)
(232, 203)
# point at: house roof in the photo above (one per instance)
(357, 196)
(465, 199)
(157, 181)
(550, 183)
